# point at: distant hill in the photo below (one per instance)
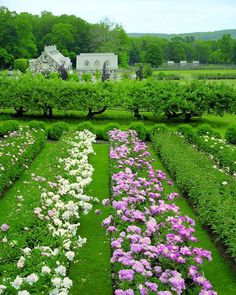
(198, 35)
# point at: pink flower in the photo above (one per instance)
(4, 227)
(50, 213)
(37, 210)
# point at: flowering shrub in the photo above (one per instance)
(17, 150)
(211, 191)
(35, 259)
(219, 150)
(151, 240)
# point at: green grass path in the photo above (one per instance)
(24, 186)
(91, 273)
(218, 271)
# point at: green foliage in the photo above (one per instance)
(99, 133)
(230, 134)
(86, 77)
(86, 125)
(187, 131)
(206, 129)
(57, 130)
(18, 150)
(109, 127)
(211, 191)
(147, 70)
(21, 64)
(37, 125)
(179, 101)
(156, 129)
(8, 126)
(140, 129)
(207, 140)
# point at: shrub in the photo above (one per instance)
(86, 125)
(211, 191)
(140, 129)
(187, 131)
(109, 127)
(205, 129)
(57, 130)
(230, 134)
(9, 126)
(99, 134)
(37, 125)
(157, 128)
(21, 64)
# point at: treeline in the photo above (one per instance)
(168, 98)
(24, 36)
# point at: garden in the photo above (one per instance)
(117, 203)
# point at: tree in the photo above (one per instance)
(153, 54)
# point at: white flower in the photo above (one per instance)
(56, 282)
(2, 289)
(70, 255)
(4, 240)
(31, 279)
(54, 292)
(46, 269)
(17, 283)
(21, 262)
(224, 182)
(24, 292)
(26, 251)
(67, 283)
(60, 270)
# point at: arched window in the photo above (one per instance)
(107, 63)
(97, 63)
(86, 63)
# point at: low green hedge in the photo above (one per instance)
(9, 126)
(207, 140)
(211, 191)
(57, 130)
(230, 134)
(18, 150)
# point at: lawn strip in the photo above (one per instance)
(91, 274)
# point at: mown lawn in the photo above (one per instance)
(91, 273)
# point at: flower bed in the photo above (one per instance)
(211, 191)
(36, 258)
(151, 240)
(219, 150)
(17, 150)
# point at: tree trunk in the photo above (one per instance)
(91, 113)
(136, 114)
(49, 112)
(19, 111)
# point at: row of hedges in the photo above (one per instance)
(215, 76)
(211, 191)
(173, 99)
(18, 149)
(208, 141)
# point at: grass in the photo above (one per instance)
(187, 74)
(218, 271)
(92, 273)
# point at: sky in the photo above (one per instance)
(140, 16)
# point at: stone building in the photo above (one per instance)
(49, 61)
(92, 62)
